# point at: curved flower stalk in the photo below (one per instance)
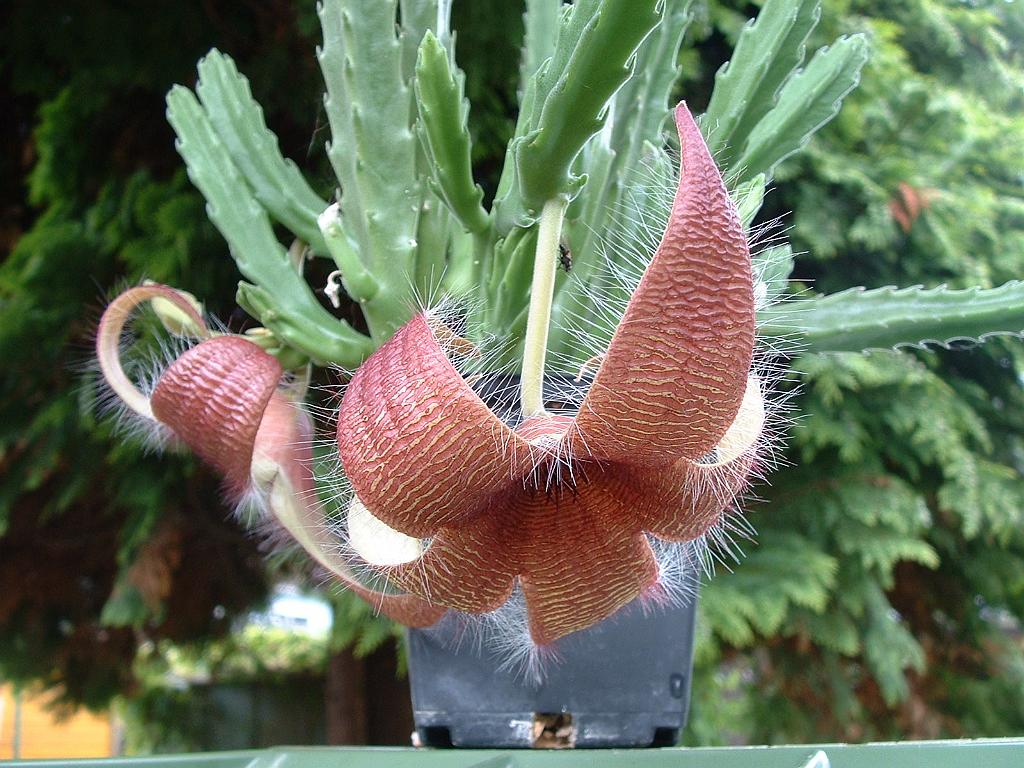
(566, 506)
(222, 398)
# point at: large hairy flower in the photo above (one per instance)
(567, 507)
(224, 400)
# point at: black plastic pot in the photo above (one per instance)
(622, 683)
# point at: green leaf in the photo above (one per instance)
(373, 150)
(286, 305)
(444, 133)
(889, 648)
(125, 607)
(990, 501)
(859, 319)
(832, 629)
(809, 100)
(746, 88)
(540, 29)
(567, 102)
(881, 548)
(785, 571)
(238, 120)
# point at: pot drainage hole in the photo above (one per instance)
(553, 731)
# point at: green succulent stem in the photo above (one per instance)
(359, 282)
(542, 292)
(856, 320)
(373, 149)
(540, 31)
(768, 51)
(279, 298)
(238, 120)
(444, 134)
(597, 77)
(565, 103)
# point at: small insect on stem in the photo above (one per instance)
(565, 257)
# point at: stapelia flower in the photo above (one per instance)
(566, 506)
(222, 398)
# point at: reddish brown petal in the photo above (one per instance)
(213, 398)
(675, 372)
(410, 610)
(284, 445)
(469, 567)
(581, 558)
(681, 502)
(578, 554)
(421, 449)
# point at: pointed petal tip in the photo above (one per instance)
(674, 374)
(686, 125)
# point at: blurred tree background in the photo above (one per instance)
(884, 594)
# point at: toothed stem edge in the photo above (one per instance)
(856, 320)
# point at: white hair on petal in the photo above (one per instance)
(679, 568)
(502, 635)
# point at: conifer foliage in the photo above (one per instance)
(884, 595)
(102, 546)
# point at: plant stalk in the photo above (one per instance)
(542, 289)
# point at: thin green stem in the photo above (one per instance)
(542, 289)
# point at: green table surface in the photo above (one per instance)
(981, 753)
